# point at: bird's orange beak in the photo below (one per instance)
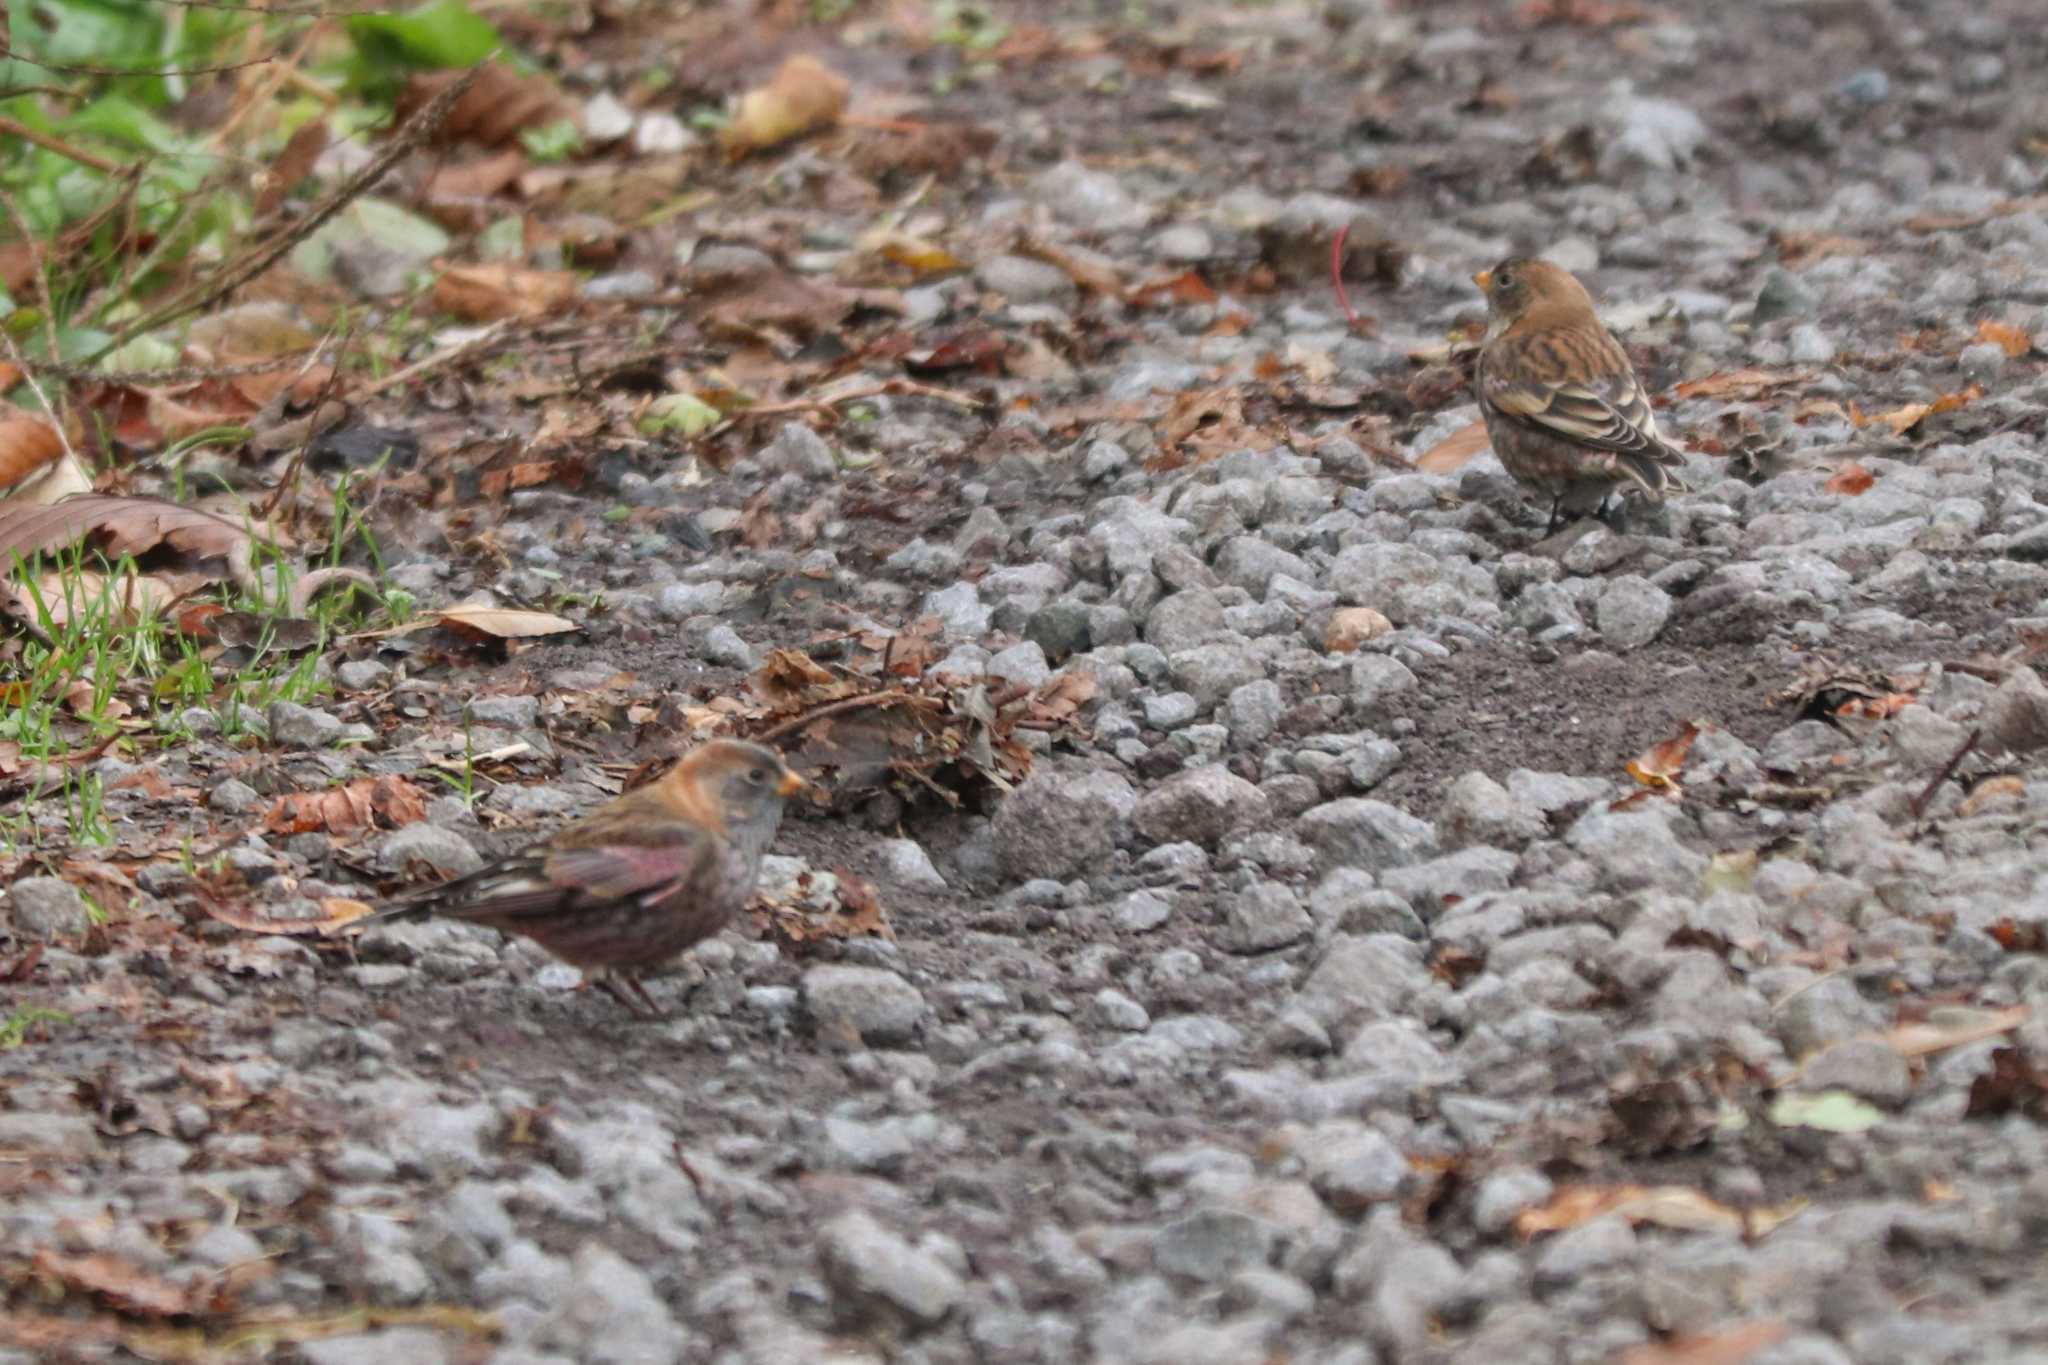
(1484, 279)
(790, 784)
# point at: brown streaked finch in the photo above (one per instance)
(1562, 404)
(638, 880)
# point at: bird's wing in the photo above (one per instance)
(1577, 386)
(596, 864)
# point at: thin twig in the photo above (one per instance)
(902, 388)
(40, 266)
(440, 359)
(261, 257)
(873, 699)
(51, 143)
(1351, 317)
(1948, 770)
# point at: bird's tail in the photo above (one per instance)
(1654, 471)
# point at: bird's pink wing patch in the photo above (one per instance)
(620, 871)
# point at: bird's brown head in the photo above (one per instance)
(743, 784)
(1522, 285)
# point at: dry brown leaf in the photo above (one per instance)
(2014, 341)
(121, 526)
(2001, 788)
(123, 1286)
(498, 106)
(494, 291)
(1677, 1207)
(1957, 1027)
(1730, 1347)
(1351, 627)
(804, 96)
(1903, 419)
(26, 445)
(1658, 766)
(386, 802)
(1849, 479)
(506, 623)
(293, 164)
(496, 483)
(58, 599)
(1454, 449)
(1741, 384)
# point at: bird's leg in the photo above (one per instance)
(1556, 508)
(654, 1009)
(625, 991)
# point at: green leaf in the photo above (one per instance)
(680, 413)
(1831, 1111)
(557, 141)
(440, 34)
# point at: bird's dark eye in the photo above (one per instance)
(1504, 278)
(759, 777)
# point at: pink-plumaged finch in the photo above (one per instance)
(643, 877)
(1565, 411)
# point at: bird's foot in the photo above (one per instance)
(628, 991)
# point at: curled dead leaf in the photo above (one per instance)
(1850, 479)
(494, 291)
(803, 96)
(1454, 449)
(27, 444)
(1658, 766)
(2014, 341)
(1741, 384)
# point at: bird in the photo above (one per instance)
(638, 880)
(1562, 405)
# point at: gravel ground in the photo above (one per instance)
(1326, 1001)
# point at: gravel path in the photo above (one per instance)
(1338, 996)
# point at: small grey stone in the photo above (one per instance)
(1088, 198)
(1059, 628)
(1060, 825)
(513, 713)
(722, 645)
(47, 908)
(357, 675)
(874, 1273)
(1263, 917)
(1212, 1244)
(1869, 1067)
(681, 601)
(1503, 1194)
(413, 847)
(1200, 806)
(876, 1006)
(1113, 1009)
(301, 726)
(610, 1314)
(1254, 711)
(797, 449)
(1809, 345)
(1023, 664)
(1353, 1167)
(1021, 280)
(1870, 86)
(232, 796)
(1141, 912)
(1104, 460)
(1213, 671)
(1184, 619)
(905, 863)
(1350, 901)
(1630, 612)
(1171, 710)
(1360, 832)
